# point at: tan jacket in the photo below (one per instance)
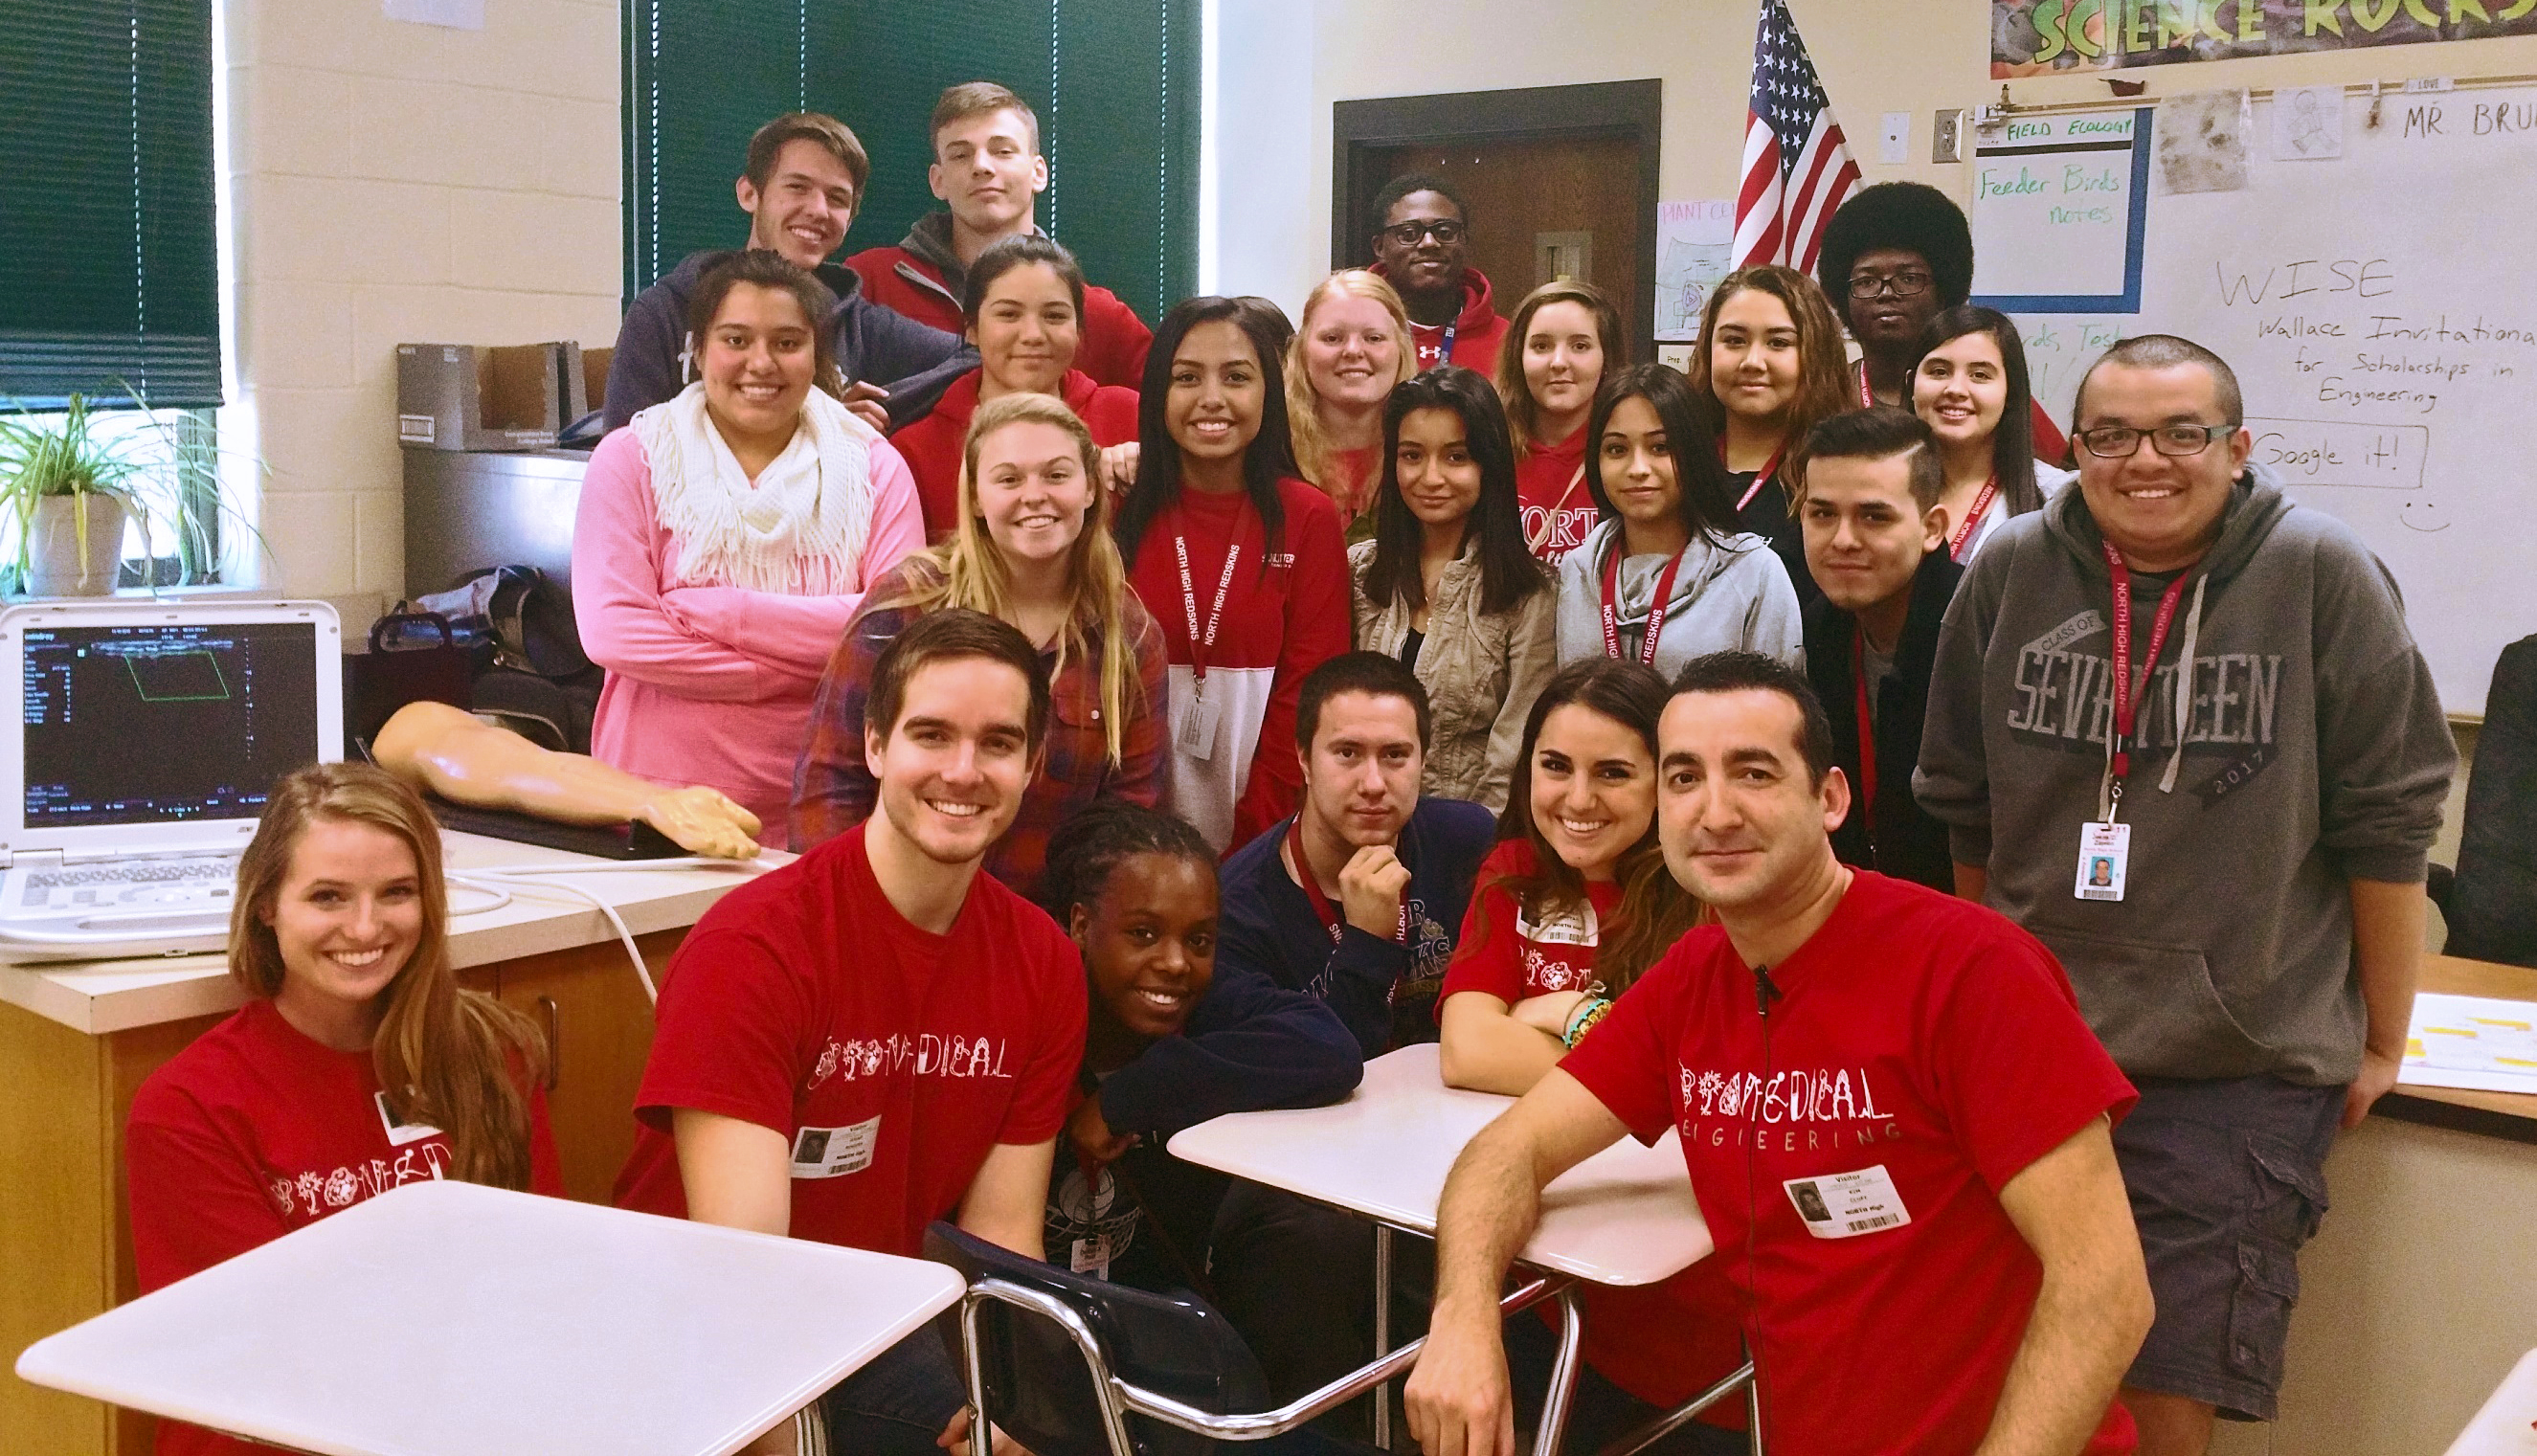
(1482, 674)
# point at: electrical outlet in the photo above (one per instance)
(1894, 140)
(1947, 136)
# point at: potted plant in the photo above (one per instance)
(69, 482)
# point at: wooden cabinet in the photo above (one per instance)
(65, 1224)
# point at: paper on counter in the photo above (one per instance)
(2475, 1042)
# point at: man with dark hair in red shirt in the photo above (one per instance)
(876, 1036)
(1896, 1121)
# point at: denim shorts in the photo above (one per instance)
(2227, 1180)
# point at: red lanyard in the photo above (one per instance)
(1656, 609)
(1972, 518)
(1313, 887)
(2127, 708)
(1866, 392)
(1866, 736)
(1198, 645)
(1769, 469)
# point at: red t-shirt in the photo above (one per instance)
(893, 1058)
(255, 1130)
(1922, 1041)
(1557, 500)
(1661, 1342)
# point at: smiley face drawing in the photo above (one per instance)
(2423, 516)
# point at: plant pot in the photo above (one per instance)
(56, 564)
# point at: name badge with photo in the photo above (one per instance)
(2105, 855)
(1844, 1205)
(399, 1133)
(835, 1152)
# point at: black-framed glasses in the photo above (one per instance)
(2123, 442)
(1409, 235)
(1910, 283)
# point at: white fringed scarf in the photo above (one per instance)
(799, 531)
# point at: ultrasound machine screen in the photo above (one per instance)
(158, 722)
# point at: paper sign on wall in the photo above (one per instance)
(457, 15)
(1694, 240)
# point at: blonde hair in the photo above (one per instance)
(967, 571)
(447, 1056)
(1313, 452)
(1524, 412)
(1823, 365)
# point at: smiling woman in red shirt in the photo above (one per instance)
(1341, 367)
(280, 1115)
(1565, 337)
(1023, 308)
(1238, 560)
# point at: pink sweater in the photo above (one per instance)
(710, 684)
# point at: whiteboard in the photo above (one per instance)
(2379, 315)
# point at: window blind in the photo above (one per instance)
(1115, 84)
(110, 275)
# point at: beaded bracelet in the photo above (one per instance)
(1589, 1011)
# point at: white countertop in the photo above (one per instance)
(444, 1317)
(1625, 1216)
(102, 996)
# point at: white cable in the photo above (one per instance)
(533, 878)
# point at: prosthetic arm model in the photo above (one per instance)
(446, 750)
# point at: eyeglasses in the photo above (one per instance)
(2123, 442)
(1409, 235)
(1910, 284)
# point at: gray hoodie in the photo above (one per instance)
(1729, 593)
(2314, 754)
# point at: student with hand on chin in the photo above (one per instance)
(1876, 533)
(876, 1035)
(803, 182)
(279, 1115)
(1895, 1118)
(989, 171)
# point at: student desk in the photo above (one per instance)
(447, 1319)
(2508, 1423)
(2416, 1296)
(1625, 1216)
(76, 1041)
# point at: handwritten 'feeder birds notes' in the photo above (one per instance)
(2472, 1042)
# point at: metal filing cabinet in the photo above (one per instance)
(465, 512)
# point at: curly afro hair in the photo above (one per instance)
(1898, 214)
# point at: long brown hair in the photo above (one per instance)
(766, 268)
(456, 1059)
(1823, 365)
(1522, 411)
(966, 569)
(1655, 909)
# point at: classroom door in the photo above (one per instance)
(1544, 209)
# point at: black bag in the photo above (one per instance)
(415, 657)
(537, 680)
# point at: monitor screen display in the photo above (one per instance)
(161, 723)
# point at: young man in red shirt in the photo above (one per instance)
(989, 171)
(876, 1036)
(1896, 1121)
(1422, 236)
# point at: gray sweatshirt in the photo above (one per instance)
(1731, 595)
(2316, 753)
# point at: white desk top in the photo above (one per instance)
(2508, 1423)
(102, 996)
(447, 1319)
(1624, 1216)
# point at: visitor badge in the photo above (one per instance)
(1195, 735)
(1092, 1256)
(835, 1152)
(1844, 1205)
(2104, 852)
(399, 1133)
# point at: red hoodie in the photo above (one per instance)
(1475, 332)
(1115, 340)
(935, 445)
(1558, 502)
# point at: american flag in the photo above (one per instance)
(1796, 166)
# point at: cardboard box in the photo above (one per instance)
(469, 396)
(585, 379)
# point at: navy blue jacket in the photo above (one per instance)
(913, 362)
(1384, 991)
